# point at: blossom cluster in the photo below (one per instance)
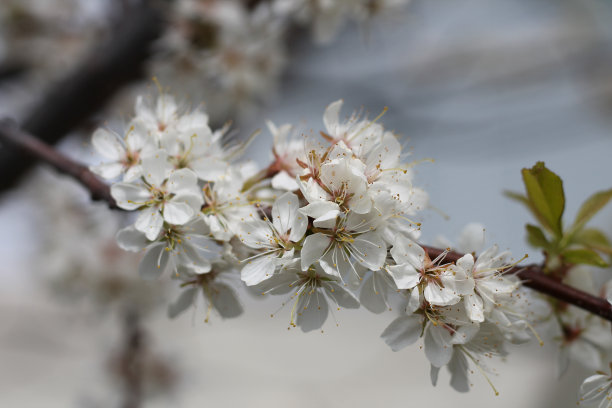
(235, 53)
(328, 224)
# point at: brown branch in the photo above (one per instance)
(534, 278)
(130, 363)
(531, 275)
(38, 150)
(86, 89)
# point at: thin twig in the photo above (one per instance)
(87, 88)
(38, 150)
(531, 275)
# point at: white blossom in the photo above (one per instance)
(596, 391)
(126, 153)
(312, 291)
(182, 249)
(277, 239)
(165, 194)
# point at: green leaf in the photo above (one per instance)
(594, 239)
(591, 207)
(525, 201)
(584, 257)
(545, 192)
(536, 237)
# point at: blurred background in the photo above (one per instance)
(483, 87)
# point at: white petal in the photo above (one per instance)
(433, 374)
(177, 213)
(225, 301)
(342, 297)
(150, 222)
(314, 247)
(209, 168)
(318, 209)
(437, 346)
(130, 239)
(284, 212)
(458, 367)
(406, 251)
(404, 276)
(182, 180)
(402, 332)
(156, 167)
(182, 303)
(108, 171)
(130, 196)
(474, 307)
(283, 181)
(466, 263)
(257, 234)
(331, 117)
(108, 144)
(154, 263)
(192, 259)
(440, 296)
(472, 238)
(370, 250)
(371, 296)
(311, 311)
(257, 270)
(414, 301)
(594, 388)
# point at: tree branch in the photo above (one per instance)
(85, 90)
(38, 150)
(531, 275)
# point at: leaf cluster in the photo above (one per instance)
(564, 246)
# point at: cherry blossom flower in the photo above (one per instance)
(312, 289)
(596, 391)
(126, 153)
(217, 291)
(166, 195)
(226, 206)
(441, 284)
(179, 248)
(340, 242)
(277, 239)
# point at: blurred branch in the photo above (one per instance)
(35, 149)
(84, 91)
(10, 70)
(533, 277)
(130, 361)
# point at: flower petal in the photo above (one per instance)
(130, 239)
(341, 296)
(437, 345)
(150, 222)
(404, 276)
(314, 248)
(154, 263)
(108, 144)
(402, 332)
(257, 270)
(156, 167)
(130, 196)
(177, 213)
(311, 311)
(183, 180)
(182, 303)
(108, 171)
(225, 301)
